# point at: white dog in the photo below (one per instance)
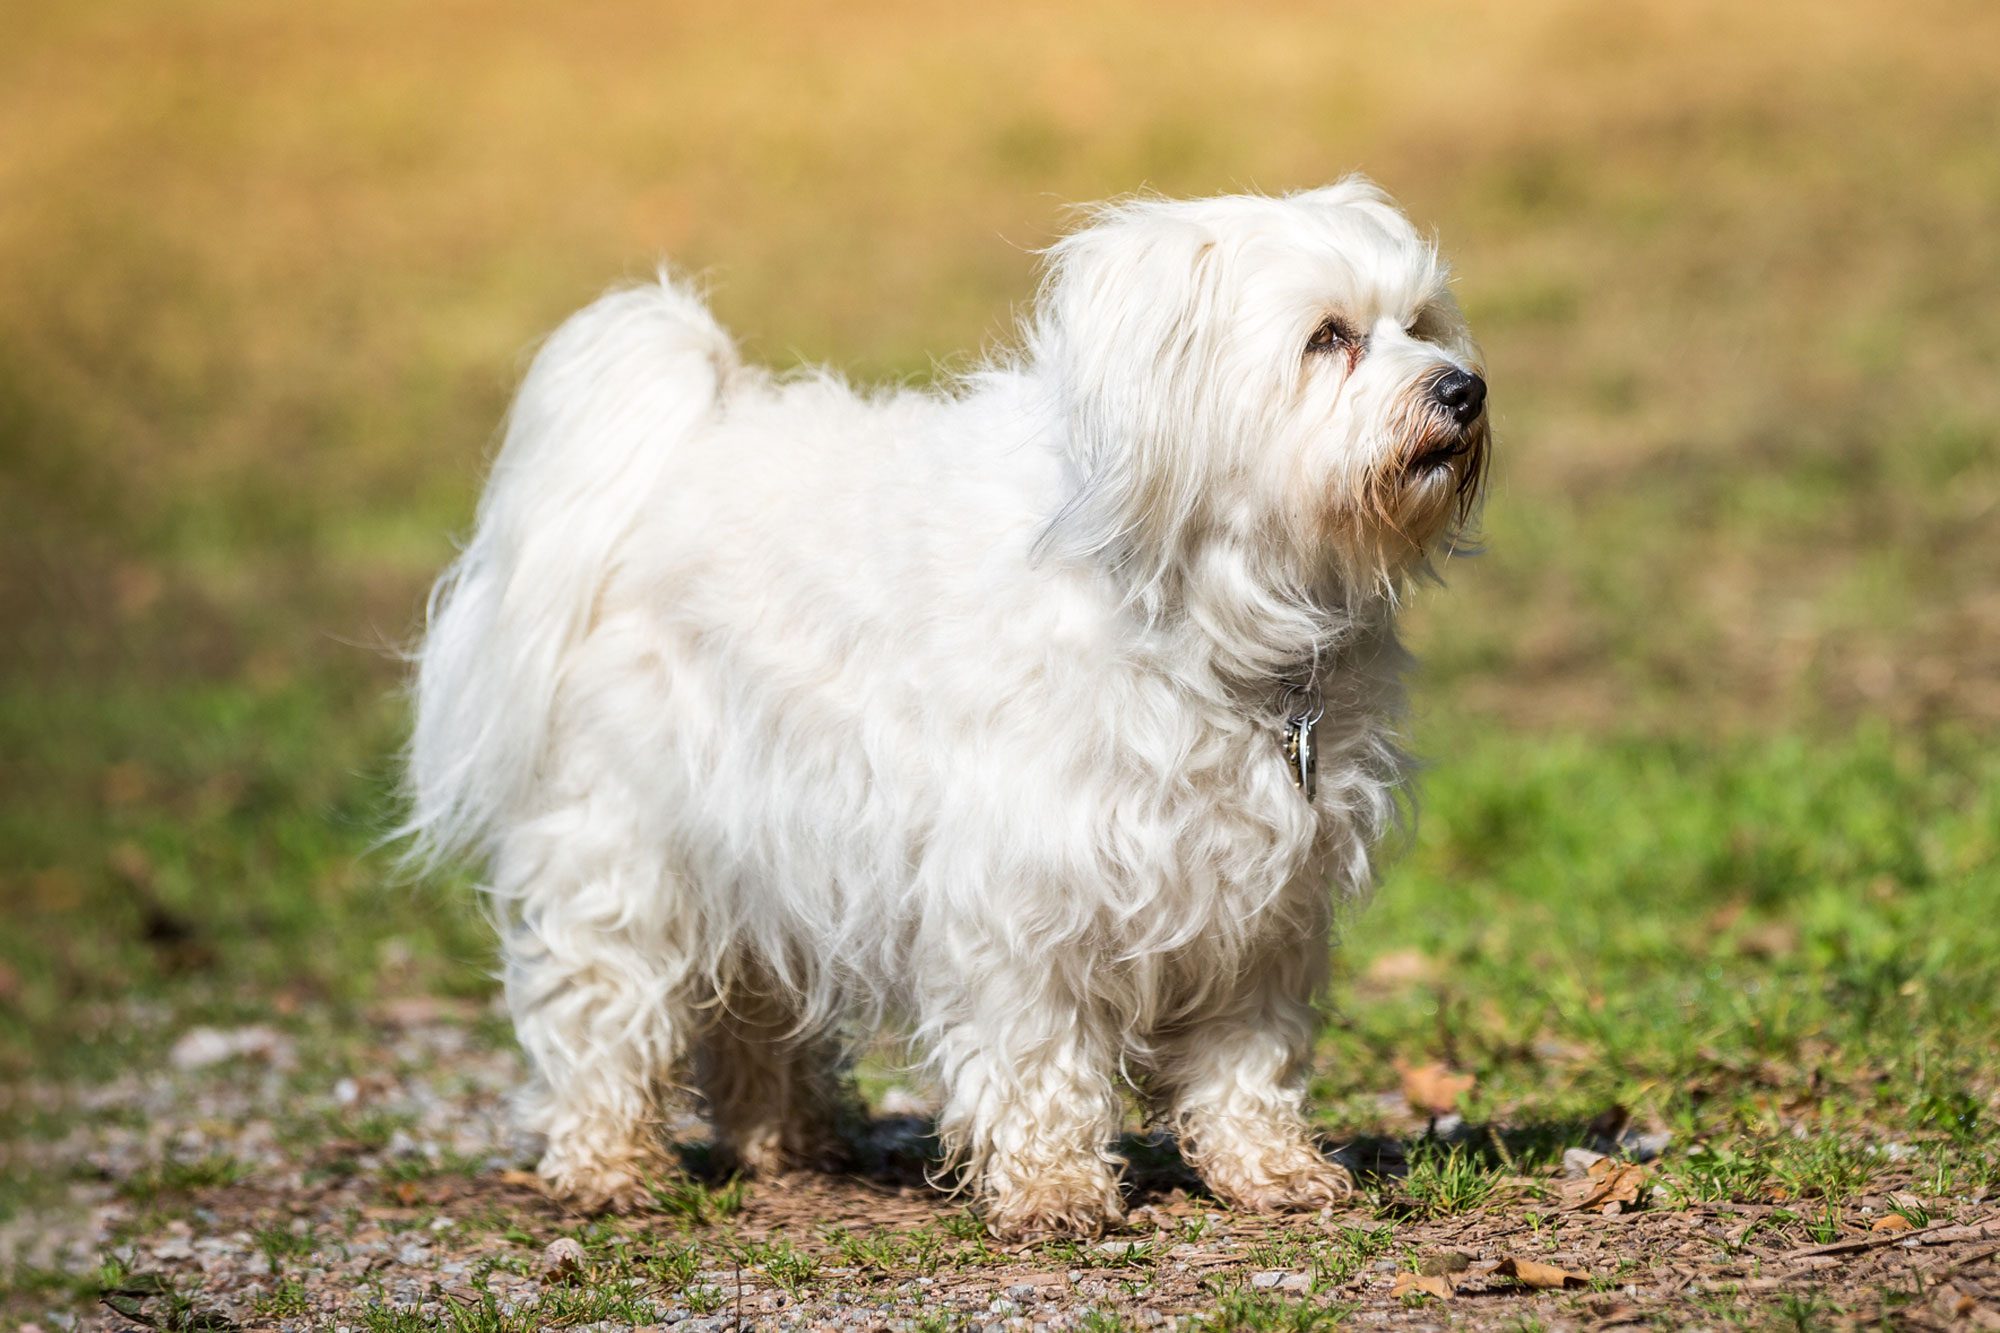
(776, 710)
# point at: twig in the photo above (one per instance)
(1930, 1236)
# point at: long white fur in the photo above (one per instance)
(775, 709)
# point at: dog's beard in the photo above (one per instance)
(1420, 495)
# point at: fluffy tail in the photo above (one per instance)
(592, 433)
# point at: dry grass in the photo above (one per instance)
(265, 274)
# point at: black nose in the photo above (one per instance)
(1463, 393)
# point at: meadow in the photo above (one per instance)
(1709, 856)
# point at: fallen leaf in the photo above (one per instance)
(1421, 1284)
(1610, 1187)
(1891, 1222)
(1432, 1088)
(527, 1178)
(1542, 1277)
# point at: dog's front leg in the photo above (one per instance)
(1235, 1094)
(1032, 1112)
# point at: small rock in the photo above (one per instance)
(563, 1257)
(1644, 1147)
(202, 1047)
(1021, 1291)
(1268, 1281)
(1578, 1161)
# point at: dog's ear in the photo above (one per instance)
(1126, 328)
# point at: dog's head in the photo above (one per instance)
(1282, 385)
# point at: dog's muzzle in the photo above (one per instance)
(1458, 399)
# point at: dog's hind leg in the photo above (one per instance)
(778, 1097)
(598, 979)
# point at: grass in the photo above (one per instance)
(1443, 1182)
(698, 1201)
(1712, 828)
(172, 1177)
(1241, 1311)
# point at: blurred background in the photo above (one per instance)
(1710, 725)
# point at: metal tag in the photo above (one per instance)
(1300, 759)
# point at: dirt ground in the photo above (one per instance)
(241, 1189)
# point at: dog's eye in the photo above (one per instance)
(1328, 336)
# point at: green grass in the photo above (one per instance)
(1595, 913)
(173, 1177)
(1241, 1310)
(1443, 1182)
(697, 1201)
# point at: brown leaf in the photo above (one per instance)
(525, 1178)
(1610, 1187)
(1891, 1222)
(1432, 1088)
(1542, 1277)
(1422, 1284)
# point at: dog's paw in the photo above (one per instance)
(785, 1151)
(1048, 1214)
(1298, 1187)
(596, 1188)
